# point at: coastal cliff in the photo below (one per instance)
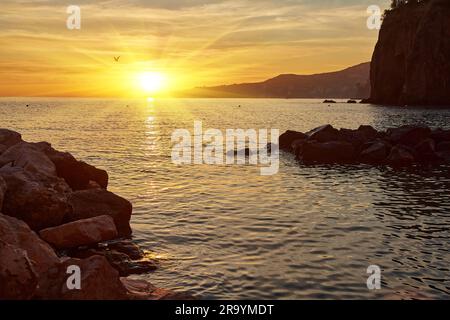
(411, 61)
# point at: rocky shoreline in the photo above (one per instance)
(56, 213)
(396, 147)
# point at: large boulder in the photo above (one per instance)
(376, 153)
(287, 138)
(97, 202)
(401, 156)
(18, 234)
(27, 156)
(324, 133)
(328, 152)
(81, 233)
(8, 138)
(99, 281)
(18, 279)
(408, 135)
(40, 201)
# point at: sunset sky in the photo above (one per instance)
(188, 42)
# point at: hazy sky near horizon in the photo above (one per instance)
(193, 42)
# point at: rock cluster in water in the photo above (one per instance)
(55, 212)
(396, 147)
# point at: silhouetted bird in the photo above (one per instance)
(117, 58)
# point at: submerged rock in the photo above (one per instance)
(81, 232)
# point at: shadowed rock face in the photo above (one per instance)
(410, 64)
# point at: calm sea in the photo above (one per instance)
(227, 232)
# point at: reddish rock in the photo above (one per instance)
(18, 234)
(99, 281)
(376, 153)
(18, 279)
(40, 201)
(96, 202)
(329, 152)
(287, 138)
(9, 138)
(400, 156)
(27, 156)
(324, 133)
(81, 233)
(77, 174)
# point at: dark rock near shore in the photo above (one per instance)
(329, 101)
(397, 147)
(287, 138)
(98, 202)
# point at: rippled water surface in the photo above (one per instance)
(227, 232)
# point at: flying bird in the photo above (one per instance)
(117, 58)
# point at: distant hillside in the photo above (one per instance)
(352, 82)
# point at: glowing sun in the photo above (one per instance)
(152, 82)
